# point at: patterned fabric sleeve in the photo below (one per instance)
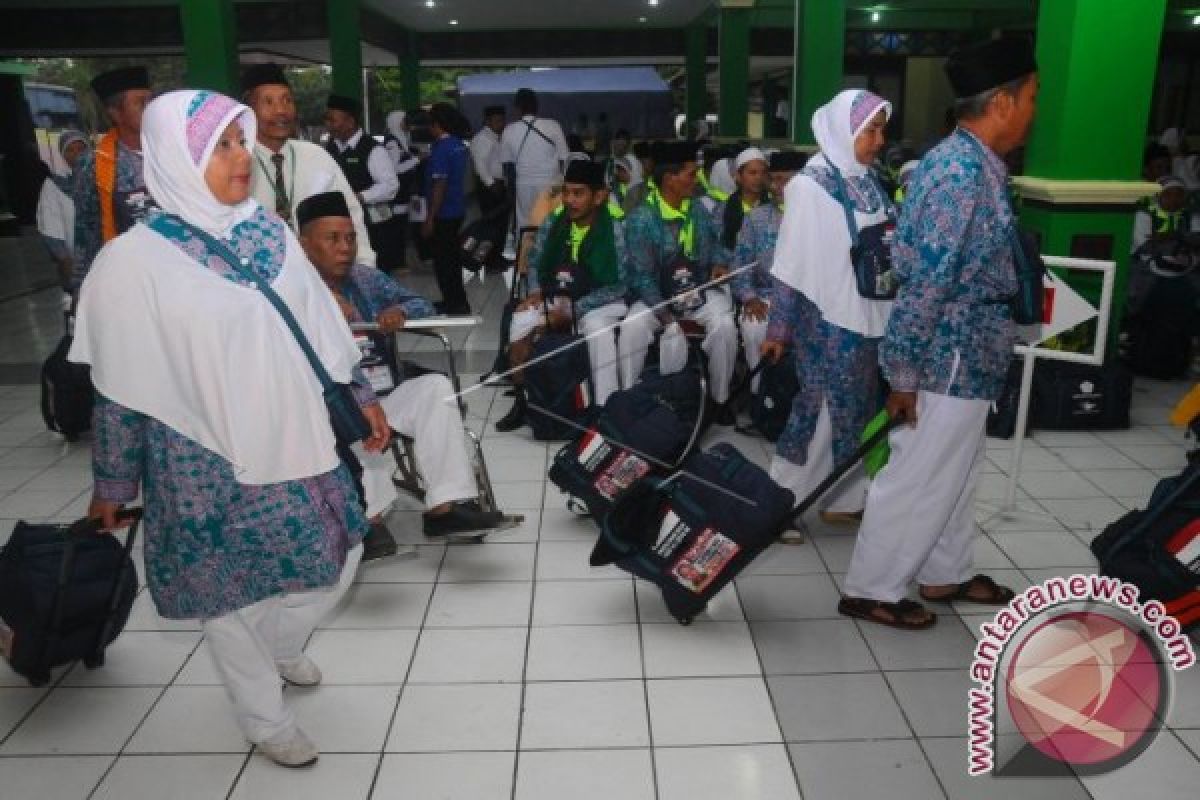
(642, 248)
(745, 252)
(535, 253)
(709, 250)
(361, 387)
(927, 256)
(118, 442)
(384, 293)
(87, 216)
(785, 305)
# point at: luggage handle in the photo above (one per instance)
(79, 530)
(870, 444)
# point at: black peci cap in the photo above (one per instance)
(111, 83)
(986, 65)
(325, 204)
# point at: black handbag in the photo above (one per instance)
(870, 248)
(1027, 305)
(346, 418)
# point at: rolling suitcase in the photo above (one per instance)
(693, 533)
(65, 594)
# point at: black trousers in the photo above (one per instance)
(494, 204)
(388, 242)
(447, 264)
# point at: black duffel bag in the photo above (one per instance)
(558, 387)
(65, 595)
(771, 405)
(1080, 397)
(67, 393)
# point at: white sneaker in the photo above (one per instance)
(292, 749)
(301, 672)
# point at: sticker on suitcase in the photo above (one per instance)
(620, 474)
(706, 559)
(593, 449)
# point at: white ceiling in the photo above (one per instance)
(539, 14)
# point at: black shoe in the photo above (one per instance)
(461, 518)
(515, 418)
(723, 415)
(379, 543)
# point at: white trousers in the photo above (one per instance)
(720, 341)
(599, 326)
(754, 333)
(425, 409)
(529, 189)
(249, 645)
(920, 516)
(848, 494)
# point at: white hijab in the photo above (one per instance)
(721, 177)
(178, 342)
(182, 129)
(634, 168)
(813, 251)
(395, 126)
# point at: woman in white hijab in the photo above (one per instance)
(56, 208)
(629, 187)
(818, 309)
(207, 403)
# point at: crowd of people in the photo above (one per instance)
(256, 513)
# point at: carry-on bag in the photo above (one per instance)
(65, 594)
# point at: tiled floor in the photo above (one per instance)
(511, 670)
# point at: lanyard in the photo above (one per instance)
(270, 180)
(687, 233)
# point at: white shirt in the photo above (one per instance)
(56, 214)
(381, 167)
(536, 146)
(307, 170)
(485, 152)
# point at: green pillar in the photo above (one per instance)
(820, 53)
(696, 65)
(734, 66)
(410, 73)
(345, 48)
(1088, 49)
(210, 43)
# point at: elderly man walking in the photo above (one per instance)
(947, 346)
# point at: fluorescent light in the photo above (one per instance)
(453, 22)
(652, 2)
(430, 3)
(641, 19)
(1196, 20)
(875, 16)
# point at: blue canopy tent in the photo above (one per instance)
(634, 98)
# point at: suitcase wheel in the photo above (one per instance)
(39, 680)
(94, 661)
(686, 620)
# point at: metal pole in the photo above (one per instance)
(1014, 466)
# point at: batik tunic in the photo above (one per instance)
(600, 296)
(834, 365)
(951, 330)
(756, 243)
(371, 293)
(214, 545)
(89, 237)
(653, 243)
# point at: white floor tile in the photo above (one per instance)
(499, 561)
(700, 650)
(422, 569)
(519, 495)
(344, 719)
(90, 721)
(472, 605)
(585, 775)
(14, 705)
(835, 549)
(13, 477)
(774, 597)
(436, 719)
(36, 503)
(144, 617)
(469, 655)
(199, 669)
(800, 647)
(1149, 456)
(561, 525)
(930, 700)
(1056, 485)
(1094, 513)
(823, 708)
(138, 658)
(949, 760)
(584, 603)
(190, 719)
(759, 772)
(782, 559)
(345, 776)
(584, 714)
(1042, 550)
(568, 561)
(947, 644)
(362, 657)
(725, 607)
(584, 652)
(699, 711)
(1125, 483)
(381, 605)
(61, 778)
(193, 777)
(895, 769)
(445, 776)
(1095, 457)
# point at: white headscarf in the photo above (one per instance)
(839, 122)
(180, 130)
(721, 177)
(395, 126)
(633, 167)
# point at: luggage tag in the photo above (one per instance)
(374, 367)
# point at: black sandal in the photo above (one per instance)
(997, 595)
(901, 612)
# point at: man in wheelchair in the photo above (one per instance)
(576, 278)
(674, 251)
(424, 407)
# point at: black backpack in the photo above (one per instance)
(67, 393)
(771, 405)
(558, 387)
(1080, 397)
(65, 595)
